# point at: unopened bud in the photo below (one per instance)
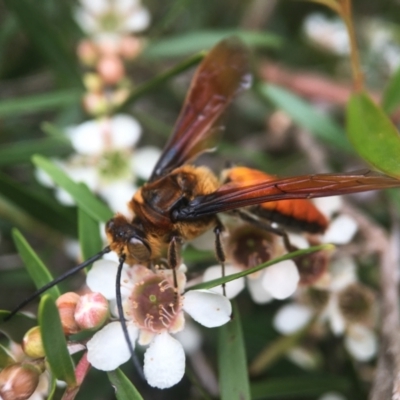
(19, 381)
(93, 82)
(32, 343)
(91, 311)
(95, 104)
(111, 69)
(87, 52)
(66, 305)
(130, 47)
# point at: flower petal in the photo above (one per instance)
(292, 317)
(144, 160)
(336, 319)
(281, 279)
(343, 272)
(328, 205)
(117, 195)
(164, 362)
(341, 230)
(257, 290)
(107, 349)
(332, 396)
(87, 137)
(204, 242)
(190, 337)
(361, 342)
(137, 21)
(207, 308)
(125, 131)
(101, 278)
(233, 288)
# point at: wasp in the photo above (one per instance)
(182, 201)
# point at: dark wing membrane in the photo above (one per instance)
(236, 195)
(223, 73)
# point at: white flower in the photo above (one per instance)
(154, 310)
(328, 33)
(347, 304)
(100, 17)
(106, 160)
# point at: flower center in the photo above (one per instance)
(114, 165)
(356, 302)
(155, 304)
(250, 246)
(311, 267)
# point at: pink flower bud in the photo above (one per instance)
(19, 381)
(111, 69)
(130, 47)
(66, 304)
(91, 311)
(93, 82)
(95, 104)
(32, 344)
(87, 52)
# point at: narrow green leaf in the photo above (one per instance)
(391, 95)
(46, 210)
(47, 39)
(124, 389)
(191, 42)
(303, 114)
(232, 365)
(160, 79)
(373, 135)
(5, 357)
(16, 327)
(89, 234)
(34, 265)
(39, 102)
(296, 387)
(289, 256)
(54, 343)
(79, 191)
(19, 152)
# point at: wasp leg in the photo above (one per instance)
(174, 258)
(219, 251)
(267, 226)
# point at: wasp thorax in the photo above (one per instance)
(155, 303)
(249, 246)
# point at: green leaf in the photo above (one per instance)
(79, 191)
(19, 152)
(39, 102)
(232, 365)
(297, 387)
(158, 80)
(47, 39)
(16, 327)
(373, 135)
(124, 389)
(289, 256)
(391, 95)
(89, 234)
(54, 343)
(303, 114)
(34, 265)
(46, 210)
(191, 42)
(5, 357)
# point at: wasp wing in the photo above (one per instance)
(241, 194)
(222, 74)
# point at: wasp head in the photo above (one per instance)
(126, 238)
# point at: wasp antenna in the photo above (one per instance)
(136, 363)
(57, 280)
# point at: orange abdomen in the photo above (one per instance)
(299, 214)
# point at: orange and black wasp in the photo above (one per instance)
(181, 201)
